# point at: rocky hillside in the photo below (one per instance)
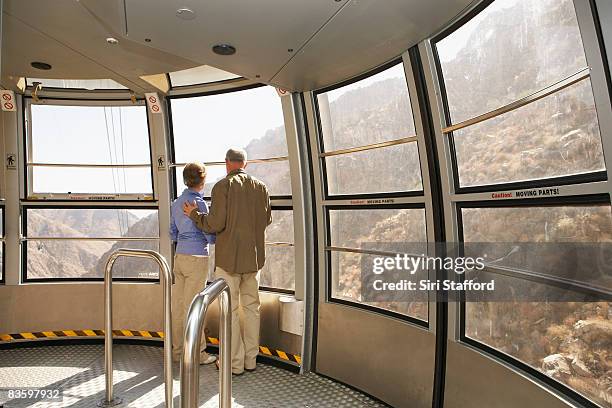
(74, 258)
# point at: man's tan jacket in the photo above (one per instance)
(239, 215)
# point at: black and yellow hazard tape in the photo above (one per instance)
(267, 351)
(78, 333)
(142, 334)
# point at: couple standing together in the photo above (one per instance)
(239, 215)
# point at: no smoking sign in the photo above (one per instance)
(153, 102)
(7, 99)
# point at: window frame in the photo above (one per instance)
(56, 88)
(3, 243)
(328, 250)
(278, 202)
(578, 200)
(28, 194)
(81, 206)
(201, 84)
(382, 145)
(292, 245)
(573, 179)
(172, 152)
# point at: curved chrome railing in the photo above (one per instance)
(190, 380)
(166, 281)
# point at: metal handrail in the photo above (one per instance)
(166, 280)
(190, 379)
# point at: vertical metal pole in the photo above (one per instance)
(167, 282)
(190, 379)
(109, 400)
(225, 353)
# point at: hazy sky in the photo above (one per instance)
(204, 128)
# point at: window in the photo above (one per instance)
(2, 244)
(521, 117)
(204, 127)
(75, 243)
(199, 75)
(368, 136)
(279, 270)
(521, 64)
(73, 150)
(511, 49)
(544, 334)
(369, 152)
(354, 231)
(89, 84)
(525, 144)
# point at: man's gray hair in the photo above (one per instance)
(236, 155)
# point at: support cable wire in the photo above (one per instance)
(110, 155)
(125, 213)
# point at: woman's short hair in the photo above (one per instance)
(194, 174)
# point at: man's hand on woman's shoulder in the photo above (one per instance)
(189, 207)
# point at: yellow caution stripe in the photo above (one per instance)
(266, 351)
(142, 334)
(78, 333)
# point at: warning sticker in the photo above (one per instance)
(153, 102)
(7, 99)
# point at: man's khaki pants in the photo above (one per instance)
(244, 289)
(190, 273)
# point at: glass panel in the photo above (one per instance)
(89, 84)
(508, 51)
(199, 75)
(353, 228)
(1, 243)
(279, 270)
(538, 224)
(568, 341)
(2, 261)
(82, 180)
(346, 272)
(92, 223)
(204, 127)
(555, 136)
(275, 175)
(372, 228)
(375, 109)
(384, 170)
(86, 259)
(90, 134)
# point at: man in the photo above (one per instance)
(239, 215)
(191, 258)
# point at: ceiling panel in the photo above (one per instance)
(362, 36)
(262, 31)
(22, 44)
(77, 30)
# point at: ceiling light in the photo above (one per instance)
(112, 41)
(40, 65)
(185, 13)
(224, 49)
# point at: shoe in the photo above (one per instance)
(233, 373)
(207, 358)
(250, 370)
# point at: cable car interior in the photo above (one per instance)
(379, 129)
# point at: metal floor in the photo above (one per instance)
(78, 370)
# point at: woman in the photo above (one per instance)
(190, 259)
